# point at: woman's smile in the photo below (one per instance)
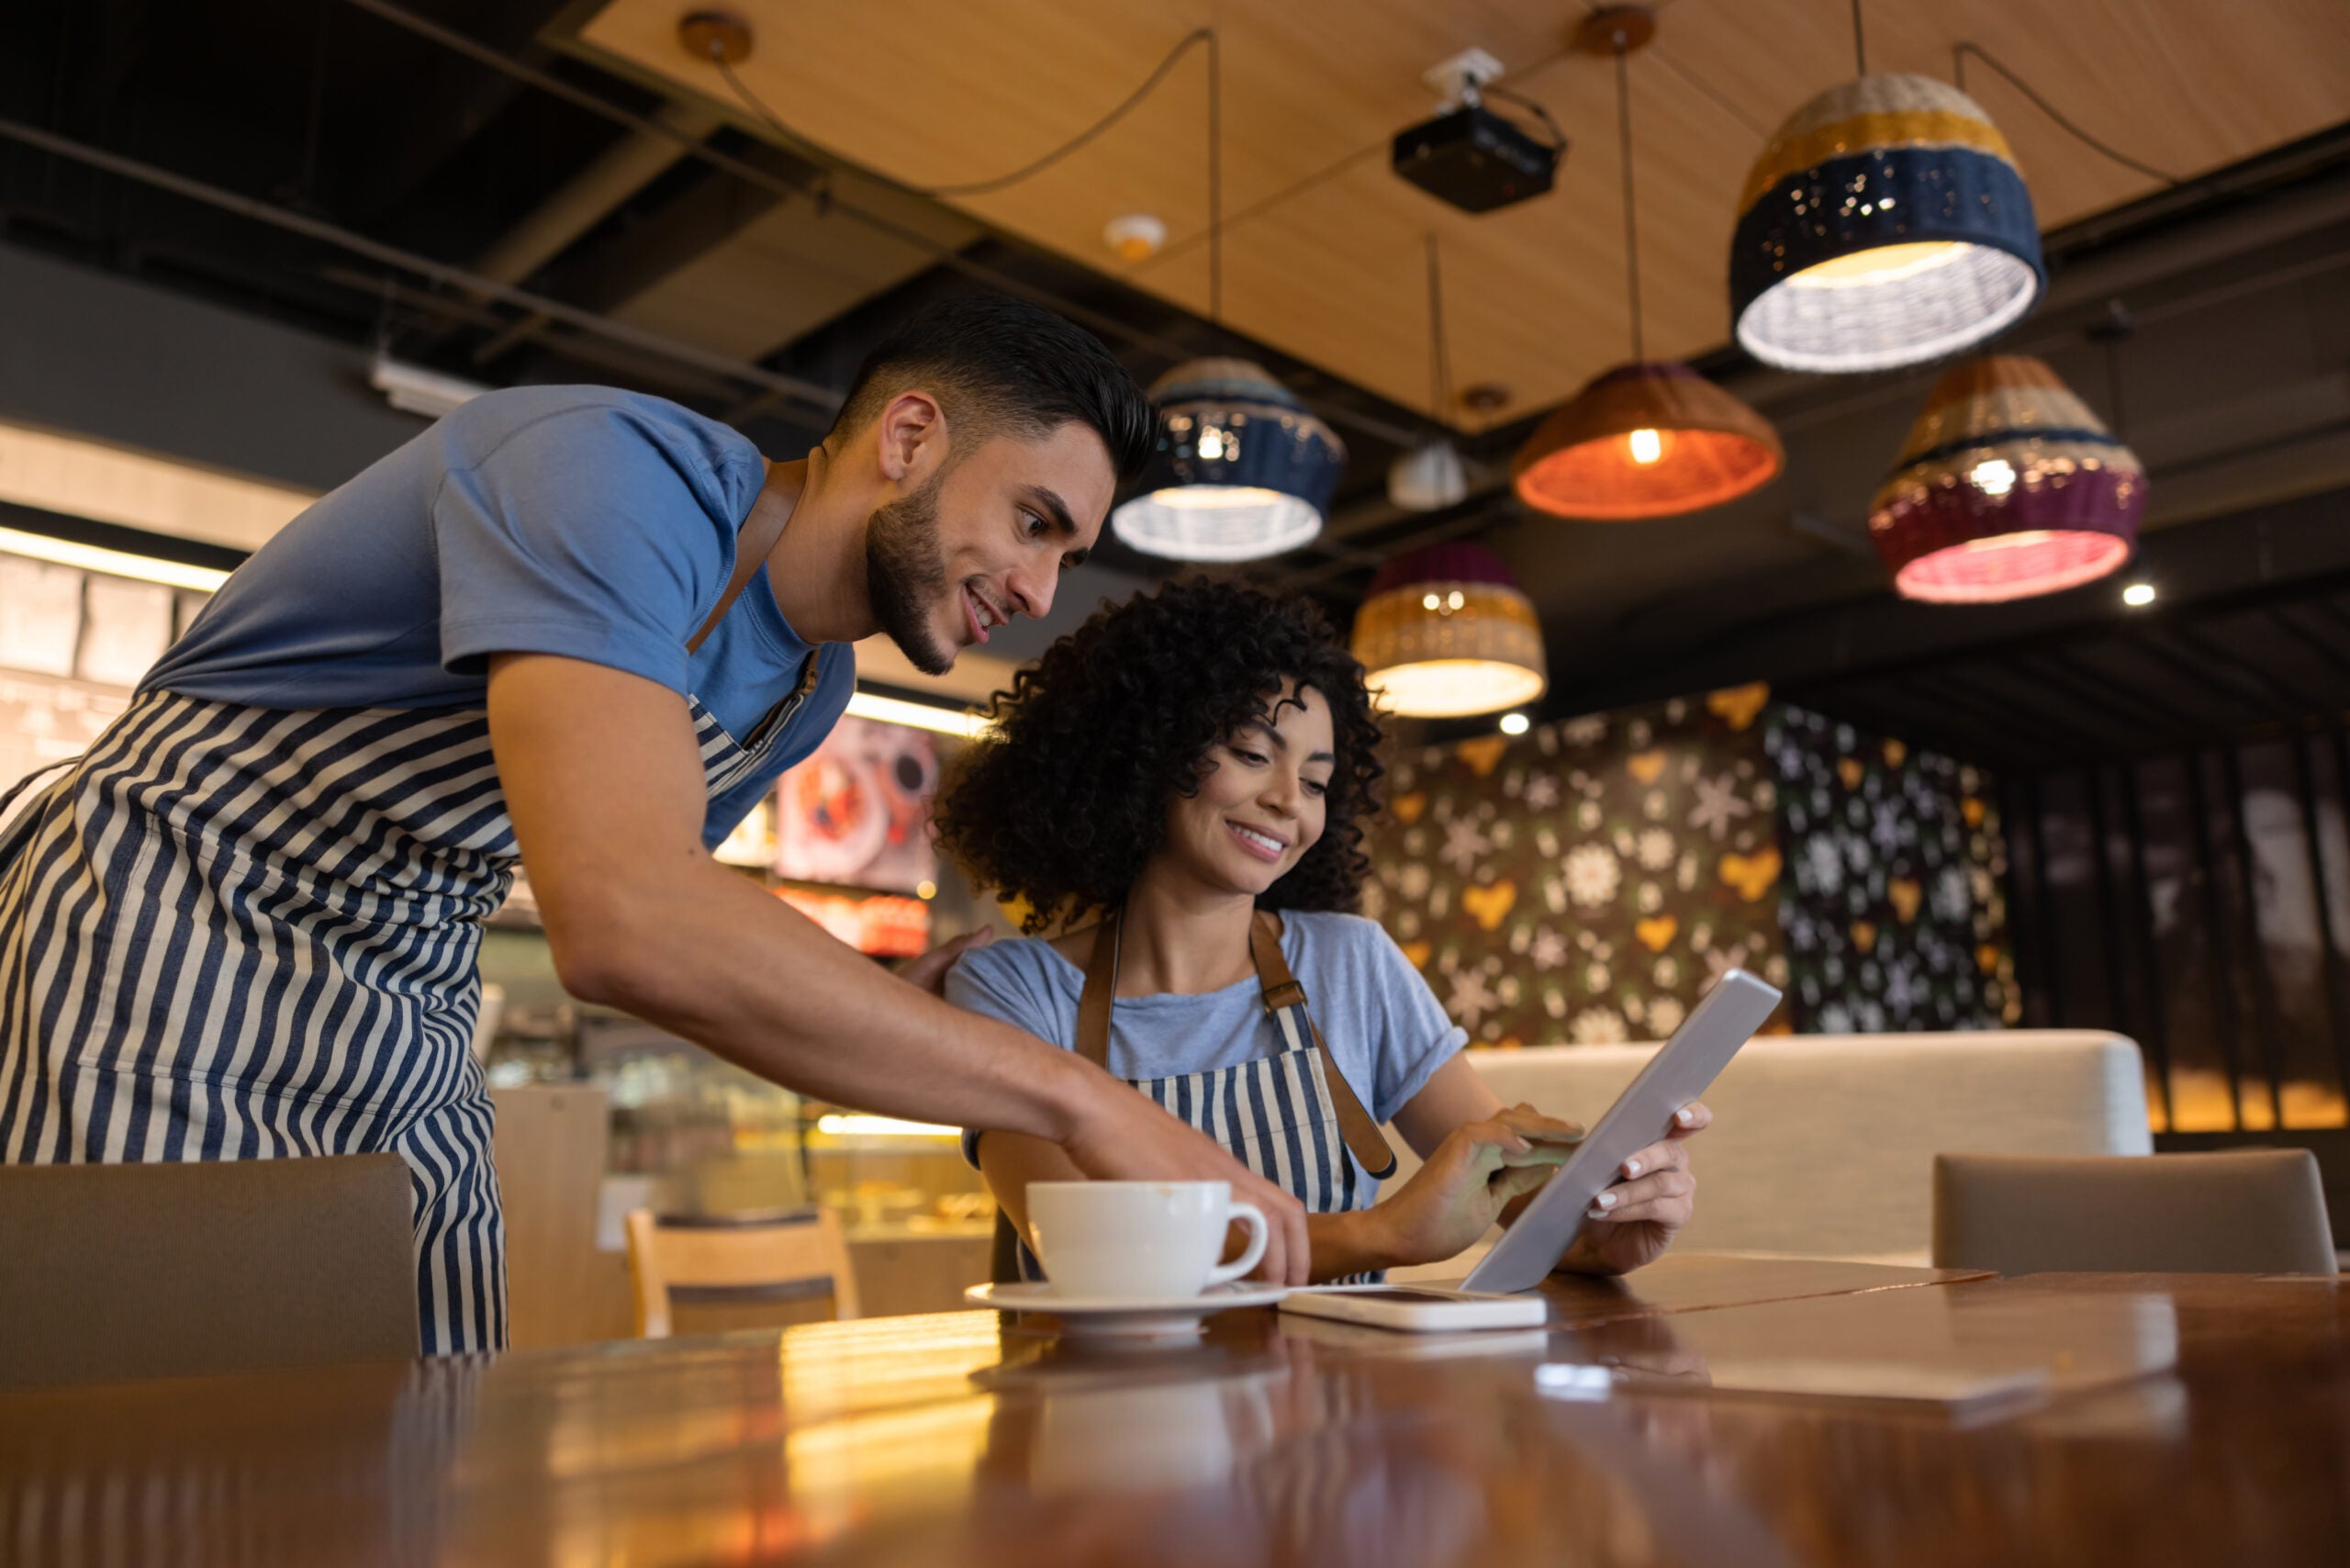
(1262, 843)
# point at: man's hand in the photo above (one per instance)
(929, 971)
(1123, 1136)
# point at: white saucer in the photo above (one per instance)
(1092, 1316)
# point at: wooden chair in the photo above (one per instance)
(2249, 1211)
(736, 1259)
(119, 1272)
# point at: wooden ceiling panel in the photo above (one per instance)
(933, 92)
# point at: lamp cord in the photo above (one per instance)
(1027, 170)
(751, 101)
(1440, 359)
(1860, 42)
(1631, 223)
(1558, 137)
(1216, 178)
(1958, 77)
(2113, 389)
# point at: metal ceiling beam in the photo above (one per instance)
(590, 196)
(2101, 704)
(2329, 652)
(2100, 687)
(1099, 323)
(2288, 700)
(820, 397)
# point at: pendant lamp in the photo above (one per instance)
(1884, 225)
(1445, 631)
(1240, 469)
(1432, 477)
(1647, 438)
(2007, 486)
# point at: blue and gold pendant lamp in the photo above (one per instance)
(1884, 225)
(1240, 469)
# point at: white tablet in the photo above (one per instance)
(1681, 1071)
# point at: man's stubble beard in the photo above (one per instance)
(905, 577)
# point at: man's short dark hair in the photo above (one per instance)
(998, 364)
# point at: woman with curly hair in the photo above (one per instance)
(1179, 786)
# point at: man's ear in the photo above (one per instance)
(910, 438)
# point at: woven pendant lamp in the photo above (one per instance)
(2006, 487)
(1445, 631)
(1886, 224)
(1240, 469)
(1647, 438)
(1644, 441)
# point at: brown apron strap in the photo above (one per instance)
(752, 542)
(1101, 993)
(1282, 990)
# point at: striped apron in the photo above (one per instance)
(238, 933)
(1291, 1117)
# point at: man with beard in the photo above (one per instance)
(582, 630)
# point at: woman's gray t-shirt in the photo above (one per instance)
(1386, 1031)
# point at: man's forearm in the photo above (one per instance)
(713, 958)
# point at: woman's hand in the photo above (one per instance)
(1634, 1220)
(1479, 1169)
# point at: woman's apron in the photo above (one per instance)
(231, 933)
(1291, 1117)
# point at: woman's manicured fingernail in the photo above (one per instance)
(1632, 1168)
(1605, 1202)
(1684, 1116)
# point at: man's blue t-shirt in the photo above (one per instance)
(578, 521)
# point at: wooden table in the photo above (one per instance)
(2193, 1420)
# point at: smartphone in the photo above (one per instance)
(1417, 1311)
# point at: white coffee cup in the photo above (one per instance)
(1139, 1240)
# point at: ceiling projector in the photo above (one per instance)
(1469, 155)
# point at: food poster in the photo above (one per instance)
(857, 813)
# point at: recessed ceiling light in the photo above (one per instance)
(2138, 594)
(1135, 236)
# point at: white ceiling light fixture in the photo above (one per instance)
(962, 723)
(1135, 236)
(412, 390)
(114, 563)
(1432, 478)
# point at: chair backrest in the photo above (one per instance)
(2248, 1211)
(737, 1258)
(119, 1272)
(1878, 1106)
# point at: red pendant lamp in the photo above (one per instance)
(2006, 487)
(1648, 439)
